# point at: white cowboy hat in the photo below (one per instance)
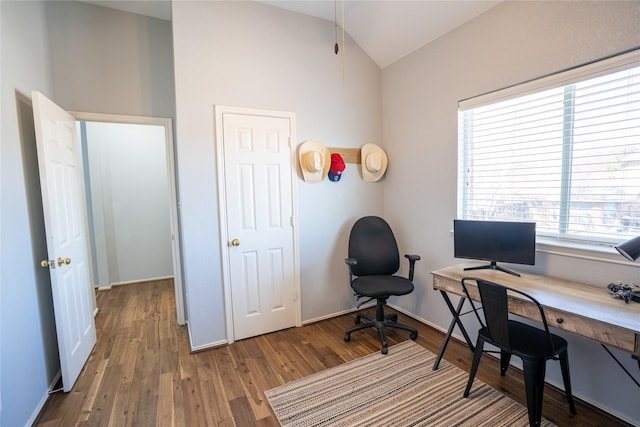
(374, 162)
(314, 161)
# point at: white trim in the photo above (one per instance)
(561, 78)
(202, 347)
(40, 406)
(219, 111)
(173, 201)
(135, 282)
(339, 313)
(34, 416)
(591, 252)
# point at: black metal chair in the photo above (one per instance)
(533, 345)
(373, 261)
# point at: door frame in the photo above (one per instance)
(173, 200)
(219, 111)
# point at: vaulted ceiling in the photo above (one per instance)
(386, 30)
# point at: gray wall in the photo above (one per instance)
(511, 43)
(28, 347)
(246, 54)
(107, 61)
(86, 58)
(130, 228)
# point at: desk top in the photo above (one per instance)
(564, 298)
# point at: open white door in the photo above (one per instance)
(61, 182)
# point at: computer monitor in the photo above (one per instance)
(495, 241)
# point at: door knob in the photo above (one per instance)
(45, 263)
(61, 261)
(235, 242)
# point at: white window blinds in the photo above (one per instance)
(563, 151)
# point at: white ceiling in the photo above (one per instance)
(386, 30)
(160, 9)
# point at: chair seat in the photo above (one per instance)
(533, 341)
(528, 342)
(380, 286)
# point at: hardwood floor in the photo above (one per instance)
(141, 373)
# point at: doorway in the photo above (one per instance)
(132, 250)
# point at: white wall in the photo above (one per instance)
(87, 58)
(28, 352)
(512, 43)
(247, 54)
(108, 61)
(130, 202)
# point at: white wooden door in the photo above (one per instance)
(259, 210)
(61, 181)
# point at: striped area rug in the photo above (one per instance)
(398, 389)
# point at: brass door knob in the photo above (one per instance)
(44, 263)
(61, 261)
(235, 242)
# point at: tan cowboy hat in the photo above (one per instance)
(314, 161)
(374, 162)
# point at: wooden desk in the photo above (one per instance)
(585, 310)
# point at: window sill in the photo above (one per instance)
(592, 252)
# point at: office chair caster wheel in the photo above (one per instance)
(413, 335)
(384, 350)
(347, 337)
(358, 320)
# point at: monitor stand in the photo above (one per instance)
(493, 266)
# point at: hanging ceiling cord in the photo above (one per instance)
(336, 48)
(344, 51)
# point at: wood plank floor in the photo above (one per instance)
(142, 374)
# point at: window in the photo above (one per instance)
(563, 151)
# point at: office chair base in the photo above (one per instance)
(388, 321)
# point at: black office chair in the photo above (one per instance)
(373, 260)
(533, 345)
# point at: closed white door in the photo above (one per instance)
(61, 181)
(259, 210)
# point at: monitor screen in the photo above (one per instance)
(495, 241)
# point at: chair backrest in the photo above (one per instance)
(496, 310)
(495, 306)
(373, 245)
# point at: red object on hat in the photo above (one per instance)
(337, 167)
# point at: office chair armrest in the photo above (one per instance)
(350, 262)
(412, 262)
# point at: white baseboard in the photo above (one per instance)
(43, 401)
(207, 346)
(37, 410)
(425, 321)
(340, 313)
(133, 282)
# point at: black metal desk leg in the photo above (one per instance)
(622, 366)
(455, 312)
